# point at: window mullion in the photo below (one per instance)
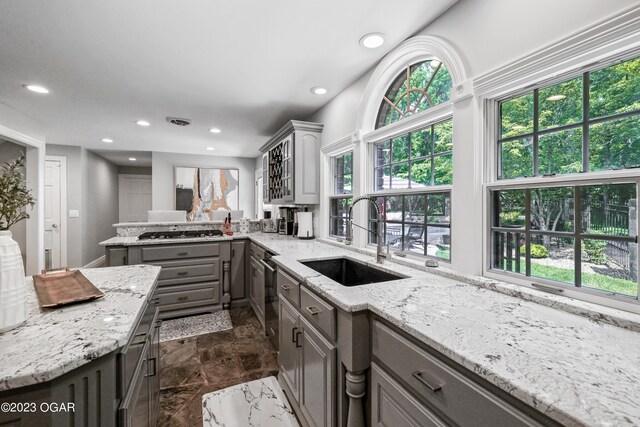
(527, 232)
(535, 133)
(585, 122)
(577, 226)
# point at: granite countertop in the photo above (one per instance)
(579, 368)
(53, 342)
(171, 223)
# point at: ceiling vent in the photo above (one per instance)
(179, 122)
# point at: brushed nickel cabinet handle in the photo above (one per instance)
(418, 375)
(286, 287)
(313, 310)
(182, 273)
(183, 298)
(183, 253)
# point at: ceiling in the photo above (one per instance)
(121, 158)
(242, 66)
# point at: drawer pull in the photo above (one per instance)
(182, 273)
(286, 287)
(293, 334)
(298, 345)
(183, 298)
(313, 310)
(183, 253)
(154, 371)
(418, 375)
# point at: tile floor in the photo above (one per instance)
(195, 366)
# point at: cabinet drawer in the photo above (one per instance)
(211, 293)
(318, 311)
(465, 402)
(256, 252)
(392, 405)
(289, 288)
(211, 270)
(172, 252)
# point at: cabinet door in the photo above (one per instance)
(266, 197)
(153, 374)
(237, 270)
(287, 169)
(289, 355)
(134, 411)
(256, 290)
(318, 377)
(392, 405)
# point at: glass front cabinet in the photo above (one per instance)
(291, 164)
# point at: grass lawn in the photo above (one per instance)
(589, 280)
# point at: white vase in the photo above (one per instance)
(13, 288)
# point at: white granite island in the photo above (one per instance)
(55, 344)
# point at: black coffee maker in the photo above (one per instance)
(286, 220)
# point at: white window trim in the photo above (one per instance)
(327, 189)
(612, 39)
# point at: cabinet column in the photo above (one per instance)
(226, 284)
(356, 389)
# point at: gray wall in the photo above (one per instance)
(10, 151)
(99, 204)
(134, 170)
(163, 177)
(92, 189)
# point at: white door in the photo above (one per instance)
(54, 181)
(135, 197)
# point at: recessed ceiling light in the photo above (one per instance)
(556, 97)
(214, 130)
(372, 40)
(132, 159)
(210, 148)
(107, 140)
(319, 90)
(143, 123)
(36, 89)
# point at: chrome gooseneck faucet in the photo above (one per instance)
(380, 255)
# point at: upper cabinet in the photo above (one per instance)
(291, 164)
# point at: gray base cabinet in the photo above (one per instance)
(257, 283)
(119, 389)
(392, 405)
(435, 389)
(195, 278)
(308, 364)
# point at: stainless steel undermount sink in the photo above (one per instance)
(349, 272)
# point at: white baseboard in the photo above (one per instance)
(99, 262)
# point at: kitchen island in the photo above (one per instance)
(567, 365)
(77, 354)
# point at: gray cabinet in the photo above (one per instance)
(256, 289)
(238, 269)
(291, 164)
(317, 376)
(308, 367)
(442, 387)
(117, 389)
(392, 405)
(193, 275)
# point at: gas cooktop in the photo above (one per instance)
(179, 234)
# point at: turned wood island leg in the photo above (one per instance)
(226, 284)
(356, 390)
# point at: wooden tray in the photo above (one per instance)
(63, 286)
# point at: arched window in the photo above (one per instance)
(417, 88)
